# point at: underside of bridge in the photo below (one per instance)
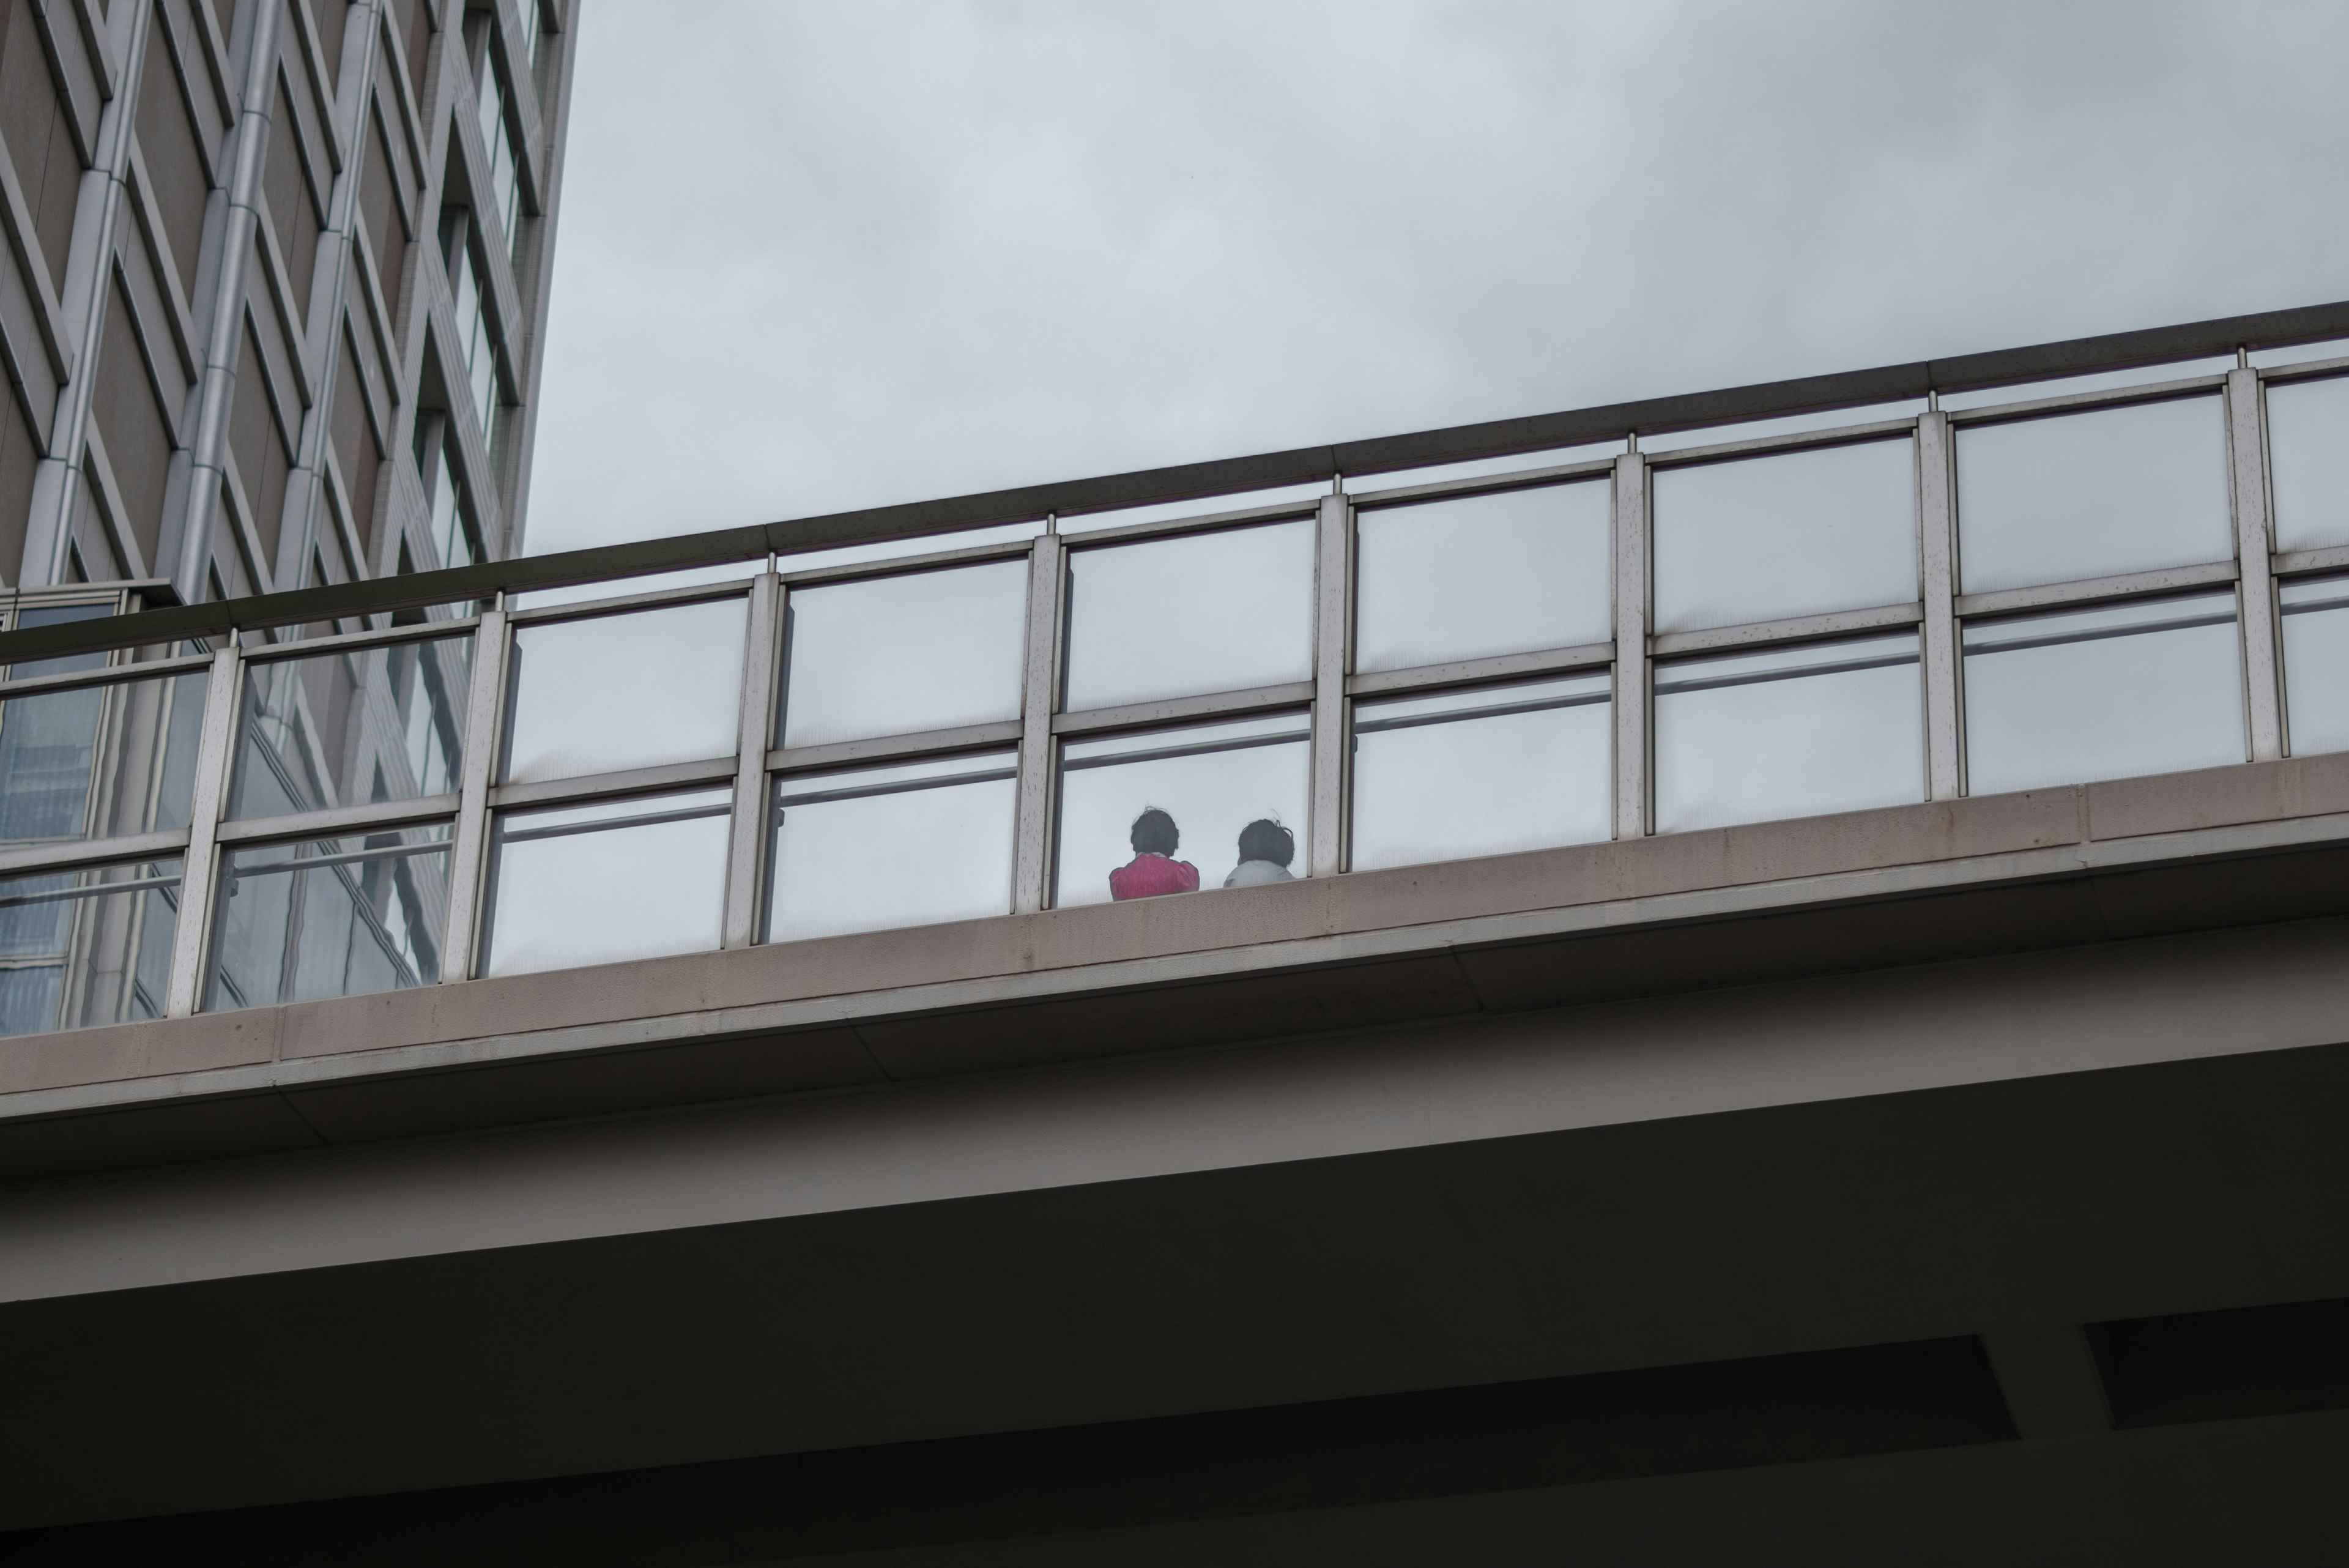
(1989, 1207)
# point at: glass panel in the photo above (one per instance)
(1198, 506)
(1210, 782)
(1798, 732)
(625, 690)
(1787, 424)
(2092, 495)
(905, 845)
(1798, 534)
(101, 761)
(2096, 381)
(893, 655)
(618, 879)
(1204, 612)
(2308, 462)
(2316, 664)
(350, 728)
(2144, 687)
(1482, 575)
(86, 947)
(329, 917)
(1482, 773)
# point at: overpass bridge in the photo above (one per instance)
(1805, 1020)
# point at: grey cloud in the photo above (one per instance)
(839, 252)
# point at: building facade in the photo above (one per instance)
(275, 298)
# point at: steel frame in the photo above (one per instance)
(1939, 615)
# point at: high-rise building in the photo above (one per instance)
(272, 308)
(274, 288)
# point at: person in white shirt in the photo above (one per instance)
(1266, 850)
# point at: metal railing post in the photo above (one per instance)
(1332, 580)
(2247, 464)
(1631, 697)
(216, 755)
(1039, 684)
(467, 857)
(1936, 523)
(761, 652)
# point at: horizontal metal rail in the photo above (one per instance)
(1182, 481)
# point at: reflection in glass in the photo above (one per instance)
(350, 728)
(1797, 534)
(617, 879)
(1212, 779)
(2091, 495)
(1203, 612)
(86, 947)
(99, 760)
(1485, 771)
(627, 690)
(890, 655)
(329, 917)
(2308, 463)
(1481, 574)
(2155, 686)
(2316, 664)
(910, 845)
(1798, 732)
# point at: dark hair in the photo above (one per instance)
(1264, 839)
(1154, 834)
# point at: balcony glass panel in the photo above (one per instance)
(86, 947)
(2151, 687)
(2316, 664)
(2308, 463)
(329, 917)
(625, 690)
(890, 655)
(1799, 533)
(1211, 782)
(618, 879)
(1202, 612)
(1481, 574)
(1795, 731)
(1483, 772)
(2091, 495)
(905, 845)
(350, 728)
(101, 761)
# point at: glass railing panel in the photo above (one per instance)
(99, 760)
(2150, 687)
(2316, 664)
(1199, 612)
(329, 917)
(1482, 771)
(85, 947)
(2308, 463)
(910, 845)
(890, 655)
(1482, 575)
(1795, 533)
(352, 727)
(617, 879)
(1794, 732)
(2131, 489)
(1164, 811)
(627, 691)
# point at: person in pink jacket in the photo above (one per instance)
(1154, 868)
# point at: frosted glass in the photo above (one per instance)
(1798, 534)
(2090, 495)
(1201, 612)
(1481, 574)
(1792, 733)
(1486, 771)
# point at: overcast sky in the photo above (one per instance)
(824, 253)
